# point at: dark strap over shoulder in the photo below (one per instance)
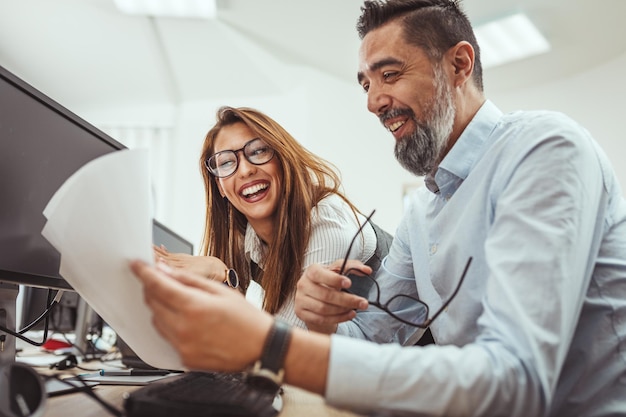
(383, 243)
(255, 271)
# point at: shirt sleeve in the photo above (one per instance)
(333, 226)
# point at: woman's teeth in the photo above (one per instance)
(247, 192)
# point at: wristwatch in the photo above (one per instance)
(267, 372)
(231, 278)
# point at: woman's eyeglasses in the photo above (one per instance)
(225, 163)
(400, 306)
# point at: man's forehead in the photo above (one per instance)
(386, 34)
(382, 40)
(383, 46)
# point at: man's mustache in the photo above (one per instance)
(391, 113)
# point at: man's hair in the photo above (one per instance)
(432, 25)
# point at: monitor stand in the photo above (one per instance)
(8, 302)
(84, 314)
(8, 297)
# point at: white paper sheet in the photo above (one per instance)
(99, 220)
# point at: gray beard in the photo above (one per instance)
(420, 151)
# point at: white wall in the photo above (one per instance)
(330, 118)
(325, 115)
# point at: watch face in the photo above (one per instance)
(232, 279)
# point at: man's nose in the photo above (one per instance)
(378, 101)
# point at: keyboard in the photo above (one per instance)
(202, 394)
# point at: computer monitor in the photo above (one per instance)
(32, 300)
(162, 235)
(41, 145)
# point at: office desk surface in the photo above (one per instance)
(297, 403)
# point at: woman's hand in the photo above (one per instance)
(207, 266)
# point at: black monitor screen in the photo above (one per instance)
(162, 235)
(41, 145)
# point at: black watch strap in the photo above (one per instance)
(270, 365)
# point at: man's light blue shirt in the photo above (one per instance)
(538, 327)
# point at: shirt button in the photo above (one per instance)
(433, 249)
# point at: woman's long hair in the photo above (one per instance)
(307, 180)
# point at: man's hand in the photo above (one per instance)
(320, 303)
(211, 326)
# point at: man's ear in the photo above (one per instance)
(461, 56)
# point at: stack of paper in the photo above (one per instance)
(99, 220)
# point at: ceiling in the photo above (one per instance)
(82, 52)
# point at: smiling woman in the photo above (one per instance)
(272, 209)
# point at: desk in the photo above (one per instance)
(297, 403)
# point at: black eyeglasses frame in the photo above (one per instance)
(384, 306)
(207, 162)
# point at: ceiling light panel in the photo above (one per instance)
(200, 9)
(509, 39)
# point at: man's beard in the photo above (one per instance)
(420, 151)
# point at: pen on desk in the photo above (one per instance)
(134, 372)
